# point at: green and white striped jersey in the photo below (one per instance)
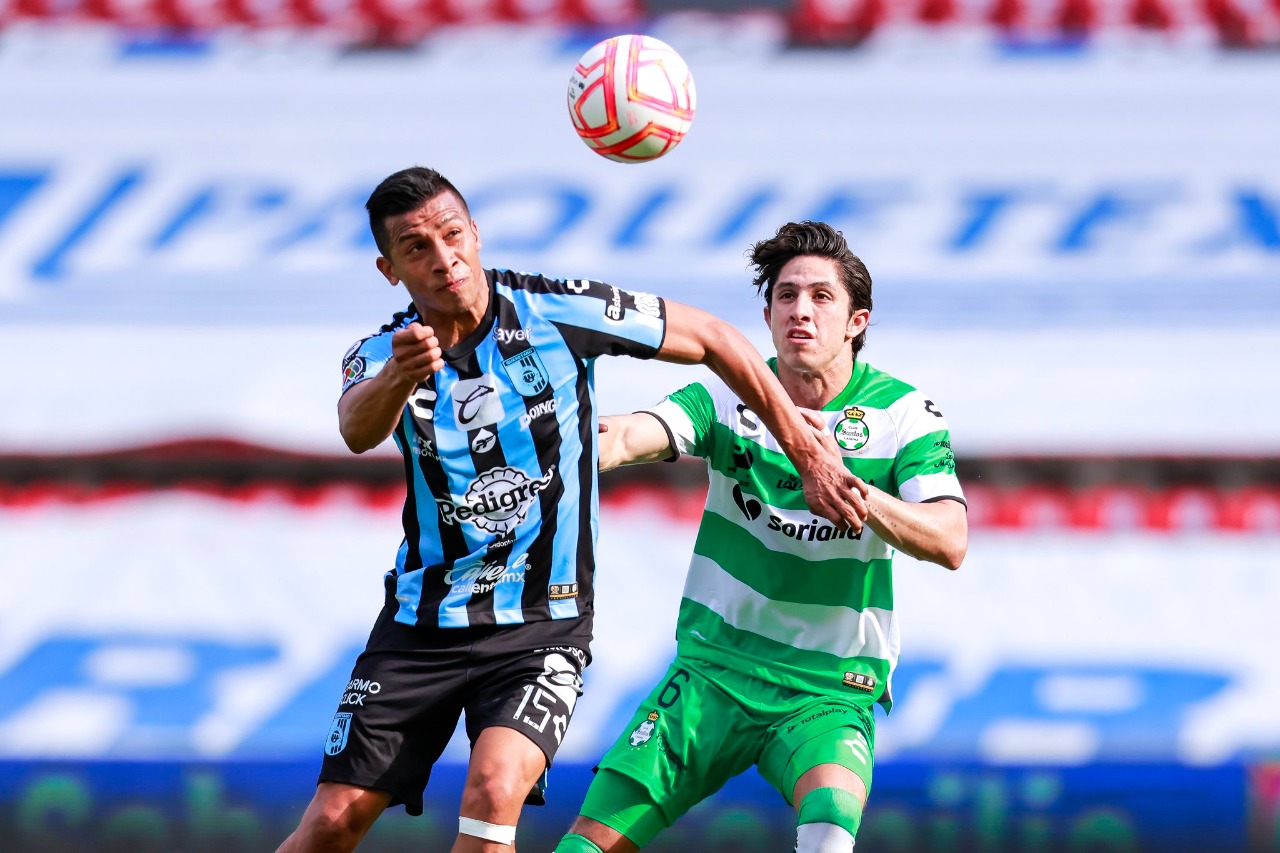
(774, 590)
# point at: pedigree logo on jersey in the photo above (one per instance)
(497, 501)
(477, 403)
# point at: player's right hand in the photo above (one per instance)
(831, 490)
(416, 353)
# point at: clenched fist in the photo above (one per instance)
(415, 352)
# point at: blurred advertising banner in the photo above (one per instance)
(227, 185)
(1062, 245)
(174, 626)
(250, 806)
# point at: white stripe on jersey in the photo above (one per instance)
(836, 630)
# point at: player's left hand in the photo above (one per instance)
(819, 426)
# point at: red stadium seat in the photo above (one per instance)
(1253, 509)
(1009, 16)
(393, 23)
(1076, 18)
(601, 12)
(1109, 508)
(937, 12)
(836, 22)
(1184, 509)
(1034, 507)
(1233, 26)
(1151, 15)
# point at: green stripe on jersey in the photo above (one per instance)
(852, 583)
(866, 387)
(928, 454)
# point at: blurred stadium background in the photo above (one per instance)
(1071, 209)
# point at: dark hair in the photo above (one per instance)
(403, 192)
(795, 239)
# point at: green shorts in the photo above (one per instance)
(704, 724)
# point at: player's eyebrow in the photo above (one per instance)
(416, 229)
(790, 282)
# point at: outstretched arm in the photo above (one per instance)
(696, 337)
(630, 439)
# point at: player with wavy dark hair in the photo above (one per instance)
(786, 638)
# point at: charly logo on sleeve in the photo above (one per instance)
(422, 402)
(497, 501)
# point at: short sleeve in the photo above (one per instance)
(925, 467)
(598, 319)
(365, 360)
(688, 414)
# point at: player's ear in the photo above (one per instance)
(768, 323)
(475, 229)
(384, 267)
(858, 322)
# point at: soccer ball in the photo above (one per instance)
(631, 98)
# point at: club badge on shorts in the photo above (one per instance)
(640, 734)
(338, 733)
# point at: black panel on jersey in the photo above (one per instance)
(545, 434)
(462, 358)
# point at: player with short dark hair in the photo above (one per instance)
(786, 637)
(485, 382)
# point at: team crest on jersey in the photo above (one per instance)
(851, 431)
(526, 372)
(641, 734)
(338, 733)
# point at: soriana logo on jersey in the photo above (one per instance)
(497, 501)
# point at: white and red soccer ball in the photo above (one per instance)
(631, 98)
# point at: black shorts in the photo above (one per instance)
(410, 685)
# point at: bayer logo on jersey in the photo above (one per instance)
(526, 372)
